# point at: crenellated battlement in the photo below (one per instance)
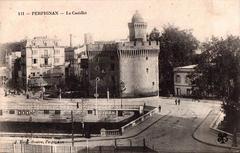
(139, 45)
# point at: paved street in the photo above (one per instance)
(172, 132)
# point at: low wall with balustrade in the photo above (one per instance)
(139, 120)
(133, 123)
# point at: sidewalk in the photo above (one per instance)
(206, 135)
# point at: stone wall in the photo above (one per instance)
(139, 68)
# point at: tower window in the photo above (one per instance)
(146, 58)
(147, 70)
(153, 83)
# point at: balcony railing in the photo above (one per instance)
(46, 65)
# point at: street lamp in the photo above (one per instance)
(72, 121)
(96, 95)
(122, 88)
(60, 94)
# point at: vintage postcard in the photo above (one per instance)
(119, 76)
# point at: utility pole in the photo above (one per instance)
(107, 94)
(60, 94)
(122, 88)
(82, 119)
(96, 95)
(72, 128)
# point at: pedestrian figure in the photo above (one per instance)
(40, 96)
(5, 93)
(77, 105)
(159, 108)
(178, 101)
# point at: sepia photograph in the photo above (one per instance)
(120, 76)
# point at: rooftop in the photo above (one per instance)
(137, 17)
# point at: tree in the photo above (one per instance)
(154, 35)
(177, 48)
(218, 74)
(217, 67)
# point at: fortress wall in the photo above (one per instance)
(139, 72)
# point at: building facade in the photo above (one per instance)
(3, 75)
(103, 64)
(10, 59)
(182, 81)
(12, 63)
(73, 58)
(44, 61)
(126, 69)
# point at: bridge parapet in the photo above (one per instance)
(139, 120)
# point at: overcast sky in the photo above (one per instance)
(108, 19)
